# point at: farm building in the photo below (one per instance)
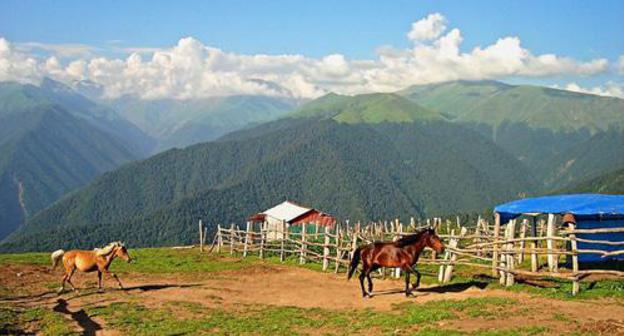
(279, 218)
(598, 219)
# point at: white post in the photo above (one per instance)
(283, 234)
(302, 254)
(550, 244)
(326, 249)
(575, 264)
(448, 272)
(247, 236)
(523, 228)
(399, 228)
(219, 239)
(534, 260)
(495, 260)
(232, 238)
(201, 238)
(510, 257)
(262, 239)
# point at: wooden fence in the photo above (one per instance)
(531, 247)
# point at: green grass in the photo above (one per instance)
(25, 258)
(192, 318)
(47, 322)
(167, 260)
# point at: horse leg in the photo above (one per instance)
(408, 291)
(361, 277)
(370, 282)
(116, 278)
(62, 289)
(69, 276)
(99, 279)
(415, 271)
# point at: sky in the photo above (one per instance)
(194, 49)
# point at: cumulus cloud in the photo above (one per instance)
(620, 65)
(610, 89)
(191, 69)
(428, 28)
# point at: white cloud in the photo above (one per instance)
(191, 69)
(620, 65)
(428, 28)
(62, 50)
(610, 89)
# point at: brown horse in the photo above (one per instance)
(98, 259)
(402, 253)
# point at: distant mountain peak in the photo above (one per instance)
(370, 108)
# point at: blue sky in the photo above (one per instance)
(580, 30)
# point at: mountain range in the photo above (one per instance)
(426, 150)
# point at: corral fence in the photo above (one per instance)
(526, 247)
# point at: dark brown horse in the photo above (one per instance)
(402, 253)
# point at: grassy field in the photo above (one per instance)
(136, 313)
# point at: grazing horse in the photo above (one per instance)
(402, 253)
(99, 259)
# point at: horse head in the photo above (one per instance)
(122, 252)
(433, 241)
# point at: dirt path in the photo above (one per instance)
(290, 286)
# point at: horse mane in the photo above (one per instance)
(106, 250)
(410, 239)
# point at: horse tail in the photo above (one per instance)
(56, 256)
(354, 261)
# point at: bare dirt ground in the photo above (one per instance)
(34, 286)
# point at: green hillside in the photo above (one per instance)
(355, 171)
(180, 123)
(367, 108)
(45, 151)
(494, 103)
(609, 183)
(551, 131)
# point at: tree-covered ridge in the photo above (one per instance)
(563, 137)
(355, 171)
(371, 108)
(609, 183)
(53, 140)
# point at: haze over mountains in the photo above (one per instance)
(426, 150)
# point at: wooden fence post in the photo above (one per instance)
(326, 249)
(523, 228)
(575, 264)
(219, 238)
(247, 236)
(534, 260)
(302, 254)
(262, 240)
(201, 238)
(511, 229)
(283, 240)
(447, 257)
(232, 238)
(399, 227)
(495, 260)
(354, 241)
(338, 251)
(448, 272)
(550, 244)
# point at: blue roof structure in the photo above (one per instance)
(581, 205)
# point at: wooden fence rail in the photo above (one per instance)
(481, 245)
